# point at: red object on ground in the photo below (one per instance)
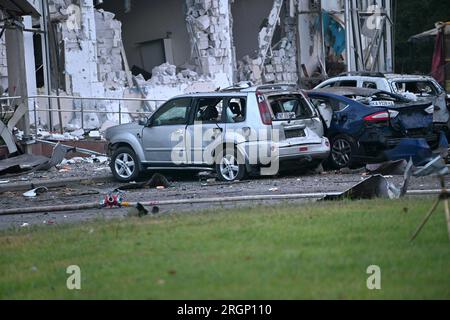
(438, 64)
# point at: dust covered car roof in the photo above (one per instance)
(348, 91)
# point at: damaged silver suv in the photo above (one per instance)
(234, 132)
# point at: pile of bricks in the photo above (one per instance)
(282, 66)
(109, 42)
(166, 74)
(208, 22)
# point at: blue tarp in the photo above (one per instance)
(417, 149)
(334, 33)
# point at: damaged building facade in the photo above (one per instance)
(128, 50)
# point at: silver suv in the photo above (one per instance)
(234, 132)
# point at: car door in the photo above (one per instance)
(441, 103)
(205, 130)
(164, 136)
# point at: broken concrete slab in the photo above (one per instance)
(21, 163)
(372, 187)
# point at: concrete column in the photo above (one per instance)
(17, 79)
(30, 63)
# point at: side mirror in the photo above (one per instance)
(142, 122)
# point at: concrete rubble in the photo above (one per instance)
(209, 25)
(94, 63)
(94, 36)
(273, 62)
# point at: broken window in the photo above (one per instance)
(416, 87)
(209, 110)
(335, 104)
(294, 105)
(236, 110)
(347, 83)
(369, 84)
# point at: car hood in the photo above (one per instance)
(132, 128)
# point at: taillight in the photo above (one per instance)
(381, 116)
(264, 111)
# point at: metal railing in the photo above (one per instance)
(82, 110)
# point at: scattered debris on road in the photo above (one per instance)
(113, 199)
(137, 211)
(397, 167)
(34, 192)
(157, 181)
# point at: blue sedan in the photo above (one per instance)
(364, 124)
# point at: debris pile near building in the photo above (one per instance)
(209, 26)
(109, 45)
(272, 62)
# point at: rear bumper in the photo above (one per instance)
(268, 151)
(304, 151)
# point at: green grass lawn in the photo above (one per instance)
(315, 250)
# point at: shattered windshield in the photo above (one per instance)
(286, 107)
(419, 88)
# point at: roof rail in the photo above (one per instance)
(277, 86)
(363, 74)
(238, 86)
(264, 87)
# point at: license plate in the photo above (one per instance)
(381, 103)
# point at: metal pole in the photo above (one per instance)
(347, 34)
(35, 116)
(120, 113)
(82, 115)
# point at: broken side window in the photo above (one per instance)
(348, 83)
(416, 87)
(236, 110)
(209, 110)
(369, 84)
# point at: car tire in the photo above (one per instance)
(342, 151)
(229, 165)
(124, 164)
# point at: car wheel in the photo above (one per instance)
(230, 165)
(124, 164)
(343, 149)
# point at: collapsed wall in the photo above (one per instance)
(273, 62)
(94, 65)
(93, 62)
(209, 26)
(109, 49)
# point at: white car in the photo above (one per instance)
(413, 87)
